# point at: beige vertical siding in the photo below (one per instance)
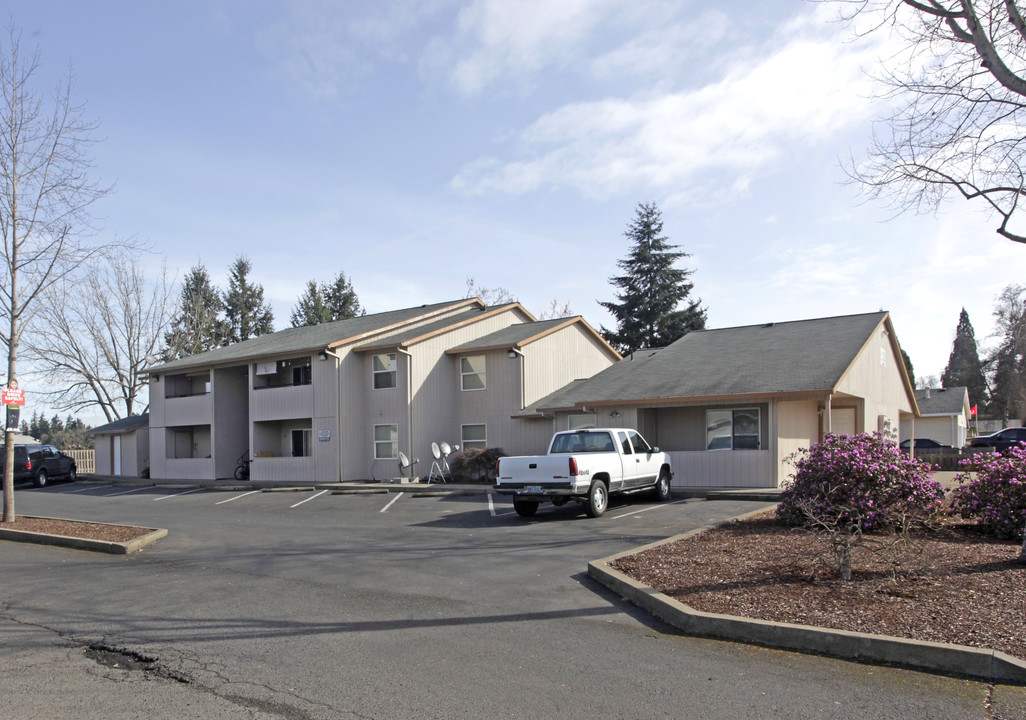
(880, 385)
(570, 354)
(723, 469)
(230, 392)
(797, 428)
(102, 448)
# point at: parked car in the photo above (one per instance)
(40, 464)
(586, 466)
(924, 444)
(1001, 440)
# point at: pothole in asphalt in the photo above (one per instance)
(123, 659)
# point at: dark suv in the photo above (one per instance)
(40, 464)
(1001, 440)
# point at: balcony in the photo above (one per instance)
(282, 403)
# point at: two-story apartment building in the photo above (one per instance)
(340, 400)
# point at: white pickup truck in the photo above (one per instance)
(587, 466)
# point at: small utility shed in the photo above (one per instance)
(123, 446)
(730, 405)
(944, 416)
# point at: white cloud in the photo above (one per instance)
(801, 92)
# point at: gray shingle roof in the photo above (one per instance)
(941, 401)
(407, 335)
(310, 338)
(786, 357)
(512, 335)
(121, 426)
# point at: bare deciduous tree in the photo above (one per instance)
(45, 197)
(490, 296)
(959, 81)
(103, 325)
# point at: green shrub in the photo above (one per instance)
(475, 465)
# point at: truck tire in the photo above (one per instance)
(41, 479)
(661, 491)
(525, 508)
(598, 499)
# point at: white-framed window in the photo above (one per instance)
(472, 372)
(581, 421)
(302, 445)
(386, 442)
(474, 436)
(384, 371)
(733, 429)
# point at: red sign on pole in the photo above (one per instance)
(13, 396)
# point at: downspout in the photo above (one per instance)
(409, 398)
(523, 390)
(328, 352)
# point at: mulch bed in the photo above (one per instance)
(952, 586)
(76, 529)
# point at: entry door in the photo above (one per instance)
(842, 421)
(117, 454)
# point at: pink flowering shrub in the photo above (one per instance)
(860, 481)
(996, 498)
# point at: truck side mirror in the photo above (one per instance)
(655, 449)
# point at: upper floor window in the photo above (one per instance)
(472, 372)
(384, 371)
(733, 429)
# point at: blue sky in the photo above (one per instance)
(414, 144)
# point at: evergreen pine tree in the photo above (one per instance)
(310, 310)
(652, 289)
(197, 325)
(322, 303)
(964, 367)
(908, 367)
(246, 314)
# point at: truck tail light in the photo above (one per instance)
(573, 466)
(28, 464)
(497, 468)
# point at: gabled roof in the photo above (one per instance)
(523, 334)
(942, 401)
(121, 426)
(411, 336)
(801, 356)
(314, 337)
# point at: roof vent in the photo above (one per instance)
(927, 393)
(768, 325)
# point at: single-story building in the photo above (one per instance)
(944, 416)
(731, 405)
(122, 448)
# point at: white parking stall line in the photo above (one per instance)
(184, 492)
(222, 502)
(491, 505)
(308, 499)
(651, 507)
(84, 489)
(125, 492)
(391, 502)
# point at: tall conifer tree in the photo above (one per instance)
(964, 367)
(197, 325)
(655, 307)
(245, 311)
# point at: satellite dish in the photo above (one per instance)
(444, 447)
(435, 450)
(404, 462)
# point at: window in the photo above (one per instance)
(386, 442)
(474, 436)
(472, 372)
(384, 371)
(301, 445)
(301, 374)
(732, 429)
(580, 422)
(639, 443)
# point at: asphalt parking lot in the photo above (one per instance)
(311, 604)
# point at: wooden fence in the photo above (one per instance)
(85, 460)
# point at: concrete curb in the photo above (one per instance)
(981, 663)
(113, 548)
